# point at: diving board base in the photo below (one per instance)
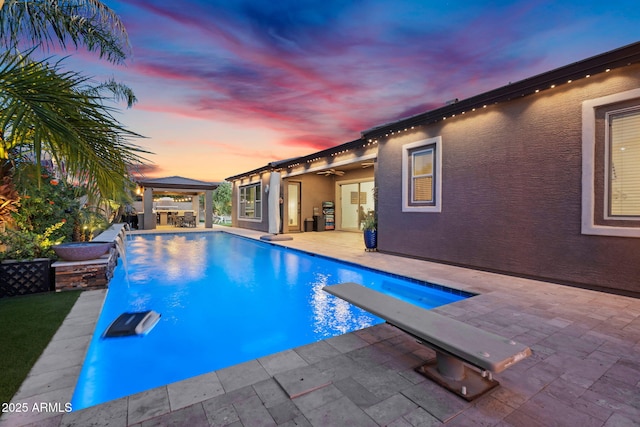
(275, 237)
(469, 385)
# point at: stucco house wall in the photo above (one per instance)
(511, 191)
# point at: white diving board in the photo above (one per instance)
(455, 343)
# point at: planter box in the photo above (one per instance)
(25, 277)
(85, 275)
(81, 275)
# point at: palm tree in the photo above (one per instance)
(54, 111)
(47, 23)
(61, 112)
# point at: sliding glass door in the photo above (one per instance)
(356, 202)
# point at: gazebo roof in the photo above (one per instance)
(178, 182)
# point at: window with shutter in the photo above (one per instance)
(422, 176)
(624, 164)
(611, 165)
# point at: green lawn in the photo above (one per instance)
(27, 324)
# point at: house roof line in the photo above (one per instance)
(324, 153)
(267, 168)
(177, 182)
(281, 164)
(623, 56)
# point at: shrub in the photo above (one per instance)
(45, 212)
(9, 201)
(46, 203)
(24, 244)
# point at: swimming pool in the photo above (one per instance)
(224, 300)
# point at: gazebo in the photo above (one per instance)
(177, 185)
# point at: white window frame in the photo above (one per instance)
(407, 204)
(607, 161)
(588, 169)
(257, 205)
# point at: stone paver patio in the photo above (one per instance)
(585, 368)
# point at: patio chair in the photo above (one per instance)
(189, 220)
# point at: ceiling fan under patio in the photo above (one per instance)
(367, 164)
(331, 172)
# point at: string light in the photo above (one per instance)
(552, 86)
(372, 141)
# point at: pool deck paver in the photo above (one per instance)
(585, 367)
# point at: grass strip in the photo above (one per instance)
(27, 324)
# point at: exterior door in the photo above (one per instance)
(356, 200)
(293, 206)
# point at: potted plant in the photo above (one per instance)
(370, 227)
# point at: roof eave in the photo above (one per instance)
(281, 164)
(258, 171)
(623, 56)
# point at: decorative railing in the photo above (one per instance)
(25, 277)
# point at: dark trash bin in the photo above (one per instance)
(318, 223)
(308, 224)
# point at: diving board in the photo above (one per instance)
(457, 344)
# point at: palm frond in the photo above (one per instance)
(50, 23)
(57, 110)
(119, 92)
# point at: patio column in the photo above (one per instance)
(274, 203)
(208, 209)
(195, 205)
(149, 222)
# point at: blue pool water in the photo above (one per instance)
(224, 300)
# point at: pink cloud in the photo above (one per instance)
(311, 142)
(318, 74)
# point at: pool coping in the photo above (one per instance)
(72, 340)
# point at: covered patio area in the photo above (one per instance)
(164, 211)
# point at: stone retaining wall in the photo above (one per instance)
(91, 274)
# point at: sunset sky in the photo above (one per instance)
(227, 86)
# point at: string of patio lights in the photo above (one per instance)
(374, 141)
(575, 75)
(414, 127)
